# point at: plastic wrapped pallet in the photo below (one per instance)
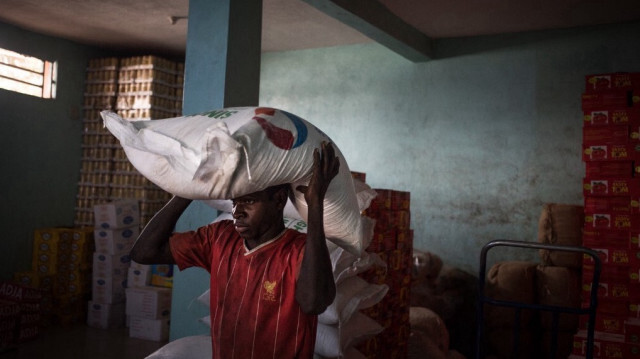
(561, 224)
(231, 152)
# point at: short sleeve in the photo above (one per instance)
(194, 248)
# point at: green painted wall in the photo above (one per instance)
(482, 137)
(41, 147)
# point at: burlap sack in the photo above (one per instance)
(558, 286)
(510, 281)
(561, 224)
(427, 321)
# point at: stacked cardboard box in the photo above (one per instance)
(148, 312)
(393, 242)
(611, 187)
(117, 227)
(20, 318)
(137, 88)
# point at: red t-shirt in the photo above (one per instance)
(254, 313)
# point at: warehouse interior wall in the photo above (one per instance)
(41, 147)
(482, 136)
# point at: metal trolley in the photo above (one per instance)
(555, 310)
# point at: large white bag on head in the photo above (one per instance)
(231, 152)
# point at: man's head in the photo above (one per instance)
(258, 216)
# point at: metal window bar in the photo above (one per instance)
(555, 310)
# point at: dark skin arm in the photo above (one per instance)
(315, 288)
(152, 246)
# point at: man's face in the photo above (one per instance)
(256, 214)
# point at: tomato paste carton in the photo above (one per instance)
(605, 345)
(611, 220)
(615, 134)
(610, 169)
(604, 238)
(613, 204)
(610, 152)
(615, 99)
(611, 116)
(605, 323)
(612, 81)
(611, 186)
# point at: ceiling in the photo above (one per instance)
(147, 25)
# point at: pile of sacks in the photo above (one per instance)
(442, 314)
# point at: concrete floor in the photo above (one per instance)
(80, 341)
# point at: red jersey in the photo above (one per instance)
(254, 313)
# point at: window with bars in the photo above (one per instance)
(27, 75)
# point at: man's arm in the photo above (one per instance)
(315, 288)
(152, 246)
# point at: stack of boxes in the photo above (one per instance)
(137, 88)
(611, 187)
(393, 243)
(117, 227)
(55, 288)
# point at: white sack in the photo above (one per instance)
(191, 347)
(231, 152)
(334, 341)
(352, 295)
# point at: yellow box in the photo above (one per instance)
(28, 278)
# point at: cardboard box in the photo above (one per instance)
(611, 186)
(108, 289)
(115, 241)
(105, 316)
(609, 152)
(117, 214)
(116, 264)
(597, 238)
(611, 116)
(613, 134)
(149, 329)
(149, 302)
(612, 82)
(610, 169)
(138, 277)
(611, 220)
(605, 99)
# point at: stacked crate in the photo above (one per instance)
(20, 318)
(97, 143)
(393, 243)
(137, 88)
(611, 187)
(61, 272)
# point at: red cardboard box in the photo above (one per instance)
(614, 204)
(611, 186)
(615, 134)
(610, 169)
(611, 257)
(596, 238)
(604, 323)
(605, 346)
(609, 152)
(611, 99)
(608, 306)
(611, 220)
(632, 330)
(611, 116)
(612, 81)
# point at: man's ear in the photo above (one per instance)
(281, 197)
